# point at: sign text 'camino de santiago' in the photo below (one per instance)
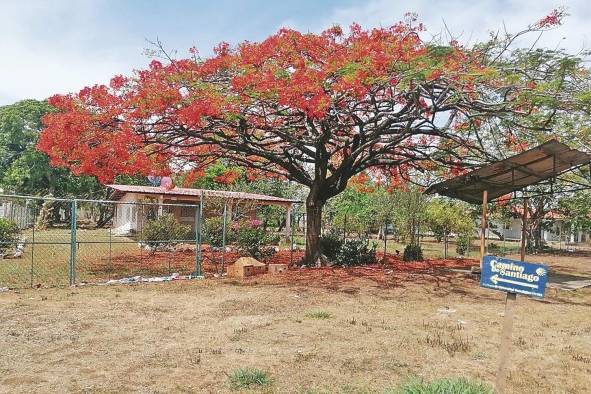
(514, 276)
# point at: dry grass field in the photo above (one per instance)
(310, 331)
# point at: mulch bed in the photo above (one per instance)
(390, 268)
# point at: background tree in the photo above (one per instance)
(354, 210)
(409, 214)
(25, 170)
(444, 218)
(576, 210)
(316, 109)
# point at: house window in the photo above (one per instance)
(187, 212)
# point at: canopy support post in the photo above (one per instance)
(483, 225)
(524, 228)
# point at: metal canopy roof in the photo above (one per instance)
(514, 173)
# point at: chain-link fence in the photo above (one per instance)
(57, 242)
(48, 241)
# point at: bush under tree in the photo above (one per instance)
(9, 235)
(463, 244)
(165, 231)
(213, 232)
(356, 252)
(253, 240)
(413, 253)
(330, 244)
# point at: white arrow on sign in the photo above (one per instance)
(495, 279)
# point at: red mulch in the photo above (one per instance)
(390, 269)
(389, 272)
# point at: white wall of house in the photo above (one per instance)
(132, 212)
(512, 232)
(17, 212)
(130, 215)
(126, 218)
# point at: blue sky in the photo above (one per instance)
(58, 46)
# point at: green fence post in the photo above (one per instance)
(385, 239)
(73, 221)
(33, 255)
(110, 250)
(291, 242)
(198, 220)
(224, 236)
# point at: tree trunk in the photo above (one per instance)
(313, 228)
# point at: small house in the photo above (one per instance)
(137, 204)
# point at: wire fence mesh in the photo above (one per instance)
(57, 242)
(50, 242)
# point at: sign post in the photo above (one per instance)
(514, 277)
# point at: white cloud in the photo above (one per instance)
(53, 47)
(59, 46)
(470, 20)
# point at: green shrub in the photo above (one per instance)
(248, 378)
(9, 235)
(322, 315)
(213, 232)
(413, 253)
(273, 239)
(356, 252)
(330, 244)
(493, 247)
(443, 386)
(164, 231)
(462, 244)
(252, 240)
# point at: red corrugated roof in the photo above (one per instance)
(180, 191)
(518, 210)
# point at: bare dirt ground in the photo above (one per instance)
(384, 325)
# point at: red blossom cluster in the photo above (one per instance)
(554, 18)
(262, 106)
(229, 177)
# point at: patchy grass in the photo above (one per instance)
(248, 378)
(443, 386)
(321, 315)
(189, 336)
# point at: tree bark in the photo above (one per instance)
(314, 207)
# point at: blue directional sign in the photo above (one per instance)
(514, 276)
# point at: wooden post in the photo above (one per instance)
(288, 223)
(160, 206)
(510, 302)
(483, 225)
(524, 228)
(505, 349)
(385, 239)
(445, 243)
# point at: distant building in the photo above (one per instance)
(555, 229)
(16, 211)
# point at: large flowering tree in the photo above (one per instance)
(317, 109)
